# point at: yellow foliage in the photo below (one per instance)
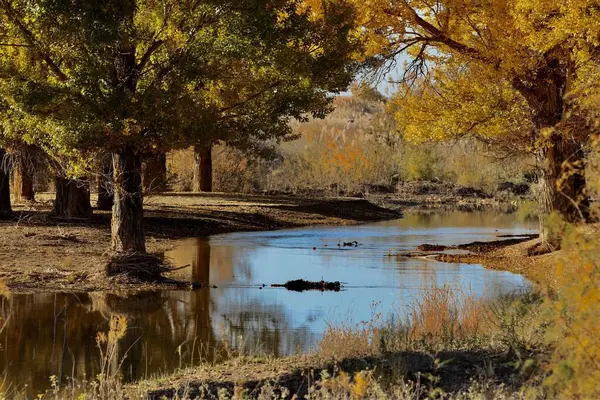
(116, 331)
(576, 369)
(451, 104)
(483, 64)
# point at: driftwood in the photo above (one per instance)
(300, 285)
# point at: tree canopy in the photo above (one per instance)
(128, 77)
(474, 64)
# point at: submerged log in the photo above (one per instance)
(300, 285)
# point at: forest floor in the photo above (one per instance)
(41, 253)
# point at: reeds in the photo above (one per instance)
(444, 317)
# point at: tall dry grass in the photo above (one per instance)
(355, 149)
(443, 318)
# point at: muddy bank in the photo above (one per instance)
(430, 195)
(521, 255)
(40, 253)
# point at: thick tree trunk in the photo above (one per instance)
(563, 185)
(203, 168)
(105, 187)
(562, 156)
(566, 190)
(72, 198)
(127, 228)
(5, 208)
(154, 176)
(23, 177)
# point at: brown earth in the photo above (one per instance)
(453, 371)
(524, 255)
(41, 253)
(522, 258)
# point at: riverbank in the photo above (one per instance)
(438, 196)
(500, 350)
(451, 347)
(41, 253)
(521, 258)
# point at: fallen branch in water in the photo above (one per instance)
(300, 285)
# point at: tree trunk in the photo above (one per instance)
(5, 208)
(72, 198)
(203, 168)
(23, 177)
(154, 175)
(565, 173)
(563, 186)
(562, 156)
(127, 228)
(105, 187)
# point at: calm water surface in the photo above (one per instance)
(54, 334)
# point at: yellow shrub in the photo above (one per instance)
(576, 368)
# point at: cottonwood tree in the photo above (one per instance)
(129, 77)
(5, 206)
(538, 50)
(264, 117)
(24, 164)
(255, 101)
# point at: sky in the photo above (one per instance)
(383, 85)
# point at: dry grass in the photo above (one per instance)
(444, 318)
(356, 149)
(445, 315)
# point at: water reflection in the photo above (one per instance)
(54, 334)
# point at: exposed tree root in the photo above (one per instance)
(140, 266)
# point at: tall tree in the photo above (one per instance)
(154, 173)
(72, 198)
(5, 207)
(203, 168)
(540, 50)
(23, 170)
(104, 185)
(127, 77)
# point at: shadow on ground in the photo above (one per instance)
(197, 219)
(452, 371)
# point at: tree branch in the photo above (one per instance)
(146, 57)
(437, 35)
(30, 38)
(14, 45)
(252, 97)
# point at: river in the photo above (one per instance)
(54, 334)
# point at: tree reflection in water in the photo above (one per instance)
(55, 334)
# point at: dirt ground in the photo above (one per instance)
(520, 256)
(454, 371)
(425, 195)
(41, 253)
